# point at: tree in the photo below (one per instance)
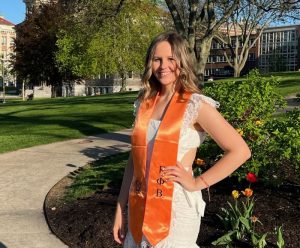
(83, 19)
(116, 47)
(35, 47)
(121, 44)
(244, 27)
(198, 22)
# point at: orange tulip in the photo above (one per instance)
(248, 192)
(253, 219)
(199, 162)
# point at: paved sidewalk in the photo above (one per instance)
(28, 174)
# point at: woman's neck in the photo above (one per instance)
(167, 91)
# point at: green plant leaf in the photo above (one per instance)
(280, 240)
(246, 222)
(225, 239)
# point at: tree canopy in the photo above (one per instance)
(115, 46)
(35, 46)
(198, 21)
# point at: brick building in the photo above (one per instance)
(278, 49)
(7, 36)
(217, 65)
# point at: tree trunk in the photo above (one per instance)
(237, 71)
(123, 83)
(53, 91)
(202, 58)
(23, 90)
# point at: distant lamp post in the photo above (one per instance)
(3, 79)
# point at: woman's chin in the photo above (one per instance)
(166, 82)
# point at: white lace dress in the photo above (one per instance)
(187, 207)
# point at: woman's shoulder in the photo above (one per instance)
(137, 102)
(197, 99)
(194, 105)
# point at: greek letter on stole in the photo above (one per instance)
(150, 207)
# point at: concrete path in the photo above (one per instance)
(28, 174)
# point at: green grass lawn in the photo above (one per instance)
(42, 121)
(102, 174)
(289, 82)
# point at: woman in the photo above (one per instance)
(165, 201)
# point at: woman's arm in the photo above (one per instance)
(118, 228)
(236, 152)
(127, 178)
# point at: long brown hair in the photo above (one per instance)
(187, 80)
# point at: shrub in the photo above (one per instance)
(250, 106)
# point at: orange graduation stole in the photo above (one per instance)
(150, 207)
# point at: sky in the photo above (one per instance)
(13, 10)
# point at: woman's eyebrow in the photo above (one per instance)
(161, 56)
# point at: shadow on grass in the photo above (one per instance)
(288, 83)
(103, 174)
(123, 119)
(51, 120)
(74, 102)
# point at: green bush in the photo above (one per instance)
(250, 106)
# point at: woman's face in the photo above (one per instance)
(164, 66)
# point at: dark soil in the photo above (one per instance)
(88, 222)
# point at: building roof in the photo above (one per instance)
(294, 26)
(5, 22)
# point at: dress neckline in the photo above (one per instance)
(189, 128)
(155, 120)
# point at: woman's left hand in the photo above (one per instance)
(179, 174)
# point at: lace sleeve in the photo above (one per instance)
(197, 99)
(192, 109)
(136, 106)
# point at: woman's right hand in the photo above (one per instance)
(118, 229)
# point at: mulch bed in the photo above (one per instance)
(87, 222)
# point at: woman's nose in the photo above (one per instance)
(164, 63)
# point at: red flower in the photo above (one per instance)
(251, 177)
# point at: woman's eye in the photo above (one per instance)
(156, 60)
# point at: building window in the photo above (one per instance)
(215, 45)
(233, 43)
(251, 57)
(252, 41)
(4, 40)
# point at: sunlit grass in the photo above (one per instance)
(289, 82)
(103, 174)
(42, 121)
